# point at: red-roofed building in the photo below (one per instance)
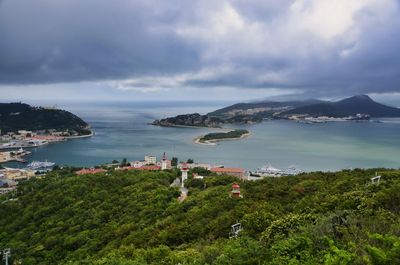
(150, 167)
(90, 171)
(236, 190)
(230, 171)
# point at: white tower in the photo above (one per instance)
(164, 162)
(184, 171)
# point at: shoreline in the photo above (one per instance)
(65, 138)
(195, 127)
(92, 133)
(215, 141)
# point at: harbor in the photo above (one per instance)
(16, 156)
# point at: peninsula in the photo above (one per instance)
(356, 108)
(15, 117)
(24, 126)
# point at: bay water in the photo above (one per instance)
(123, 131)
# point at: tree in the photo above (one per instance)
(174, 161)
(124, 162)
(190, 161)
(201, 171)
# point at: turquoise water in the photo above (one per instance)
(122, 131)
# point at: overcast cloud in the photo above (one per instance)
(319, 48)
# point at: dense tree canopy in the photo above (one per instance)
(224, 135)
(134, 217)
(19, 116)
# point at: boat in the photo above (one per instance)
(36, 143)
(23, 144)
(268, 171)
(292, 171)
(41, 166)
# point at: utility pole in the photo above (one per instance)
(6, 254)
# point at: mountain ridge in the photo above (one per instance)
(358, 104)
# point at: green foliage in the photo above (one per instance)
(387, 250)
(18, 116)
(124, 162)
(132, 218)
(174, 161)
(201, 171)
(224, 135)
(334, 255)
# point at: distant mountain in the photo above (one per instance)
(263, 106)
(19, 116)
(247, 113)
(360, 104)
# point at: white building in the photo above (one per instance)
(137, 164)
(150, 160)
(194, 165)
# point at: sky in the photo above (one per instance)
(236, 50)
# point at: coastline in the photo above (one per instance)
(214, 142)
(92, 133)
(195, 127)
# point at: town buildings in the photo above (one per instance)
(194, 165)
(150, 160)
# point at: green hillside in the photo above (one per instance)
(19, 116)
(135, 218)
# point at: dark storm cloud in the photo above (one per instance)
(53, 41)
(310, 45)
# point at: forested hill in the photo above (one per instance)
(134, 218)
(19, 116)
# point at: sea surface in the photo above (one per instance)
(122, 131)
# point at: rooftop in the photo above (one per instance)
(227, 170)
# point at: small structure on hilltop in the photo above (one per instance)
(236, 191)
(235, 230)
(376, 180)
(184, 171)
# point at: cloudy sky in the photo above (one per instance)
(207, 50)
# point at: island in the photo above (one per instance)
(212, 138)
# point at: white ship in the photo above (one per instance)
(41, 166)
(268, 171)
(292, 171)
